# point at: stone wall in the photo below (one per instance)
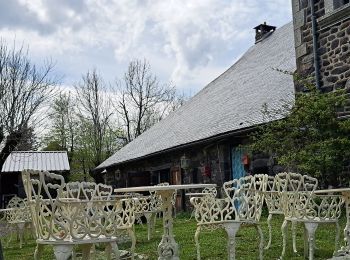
(334, 53)
(333, 37)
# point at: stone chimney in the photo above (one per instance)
(263, 31)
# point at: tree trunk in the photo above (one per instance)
(1, 254)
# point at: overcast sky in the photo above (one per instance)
(187, 42)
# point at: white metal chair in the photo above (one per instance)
(18, 216)
(123, 217)
(242, 205)
(205, 192)
(273, 200)
(65, 222)
(300, 204)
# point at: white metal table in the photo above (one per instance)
(167, 248)
(345, 250)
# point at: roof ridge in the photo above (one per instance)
(39, 152)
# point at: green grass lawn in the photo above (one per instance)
(213, 243)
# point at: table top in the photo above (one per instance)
(9, 209)
(197, 194)
(333, 190)
(167, 187)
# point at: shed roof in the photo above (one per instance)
(231, 102)
(33, 160)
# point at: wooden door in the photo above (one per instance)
(175, 174)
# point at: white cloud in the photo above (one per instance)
(187, 42)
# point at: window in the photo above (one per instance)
(333, 5)
(339, 3)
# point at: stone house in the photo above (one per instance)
(201, 141)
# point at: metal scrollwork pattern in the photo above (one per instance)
(242, 204)
(76, 212)
(301, 204)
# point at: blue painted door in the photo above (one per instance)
(237, 164)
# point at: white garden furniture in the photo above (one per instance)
(344, 251)
(123, 219)
(167, 248)
(242, 205)
(150, 206)
(273, 200)
(18, 217)
(66, 222)
(301, 204)
(205, 192)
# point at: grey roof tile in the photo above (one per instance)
(231, 102)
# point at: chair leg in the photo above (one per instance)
(85, 248)
(10, 238)
(148, 216)
(284, 237)
(269, 218)
(294, 237)
(311, 229)
(74, 254)
(196, 240)
(306, 244)
(32, 229)
(38, 251)
(231, 230)
(112, 246)
(20, 227)
(62, 252)
(261, 244)
(193, 214)
(92, 251)
(154, 221)
(132, 236)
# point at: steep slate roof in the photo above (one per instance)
(231, 102)
(30, 160)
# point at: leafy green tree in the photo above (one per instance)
(311, 138)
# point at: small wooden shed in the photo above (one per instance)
(16, 162)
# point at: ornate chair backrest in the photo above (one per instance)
(125, 213)
(87, 190)
(210, 191)
(210, 210)
(296, 191)
(246, 195)
(73, 211)
(259, 186)
(18, 210)
(272, 196)
(79, 190)
(104, 191)
(43, 189)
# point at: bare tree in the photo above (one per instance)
(95, 115)
(24, 89)
(141, 99)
